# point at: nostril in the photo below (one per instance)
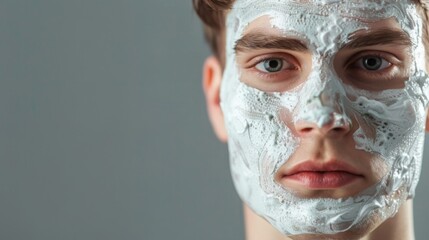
(306, 130)
(338, 129)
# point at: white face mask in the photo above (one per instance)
(385, 123)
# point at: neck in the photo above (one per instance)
(397, 228)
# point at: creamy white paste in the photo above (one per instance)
(260, 142)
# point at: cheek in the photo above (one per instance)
(391, 125)
(383, 128)
(256, 126)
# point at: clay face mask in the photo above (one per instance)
(385, 121)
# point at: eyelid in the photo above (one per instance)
(365, 78)
(391, 58)
(283, 56)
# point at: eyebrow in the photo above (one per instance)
(378, 37)
(254, 41)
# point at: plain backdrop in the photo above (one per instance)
(103, 128)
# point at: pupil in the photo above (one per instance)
(372, 63)
(273, 65)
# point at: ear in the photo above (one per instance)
(212, 77)
(427, 120)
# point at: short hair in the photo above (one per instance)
(213, 13)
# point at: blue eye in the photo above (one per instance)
(373, 63)
(270, 65)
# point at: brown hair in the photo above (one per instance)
(213, 14)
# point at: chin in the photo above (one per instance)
(358, 232)
(340, 236)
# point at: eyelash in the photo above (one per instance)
(286, 61)
(292, 72)
(384, 74)
(285, 73)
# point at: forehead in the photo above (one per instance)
(276, 26)
(321, 22)
(319, 12)
(359, 8)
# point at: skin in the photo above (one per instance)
(321, 143)
(399, 227)
(318, 141)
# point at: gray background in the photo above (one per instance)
(103, 129)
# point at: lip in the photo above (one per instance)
(318, 175)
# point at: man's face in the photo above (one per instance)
(324, 105)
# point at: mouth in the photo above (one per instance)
(319, 176)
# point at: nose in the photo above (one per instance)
(332, 124)
(323, 112)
